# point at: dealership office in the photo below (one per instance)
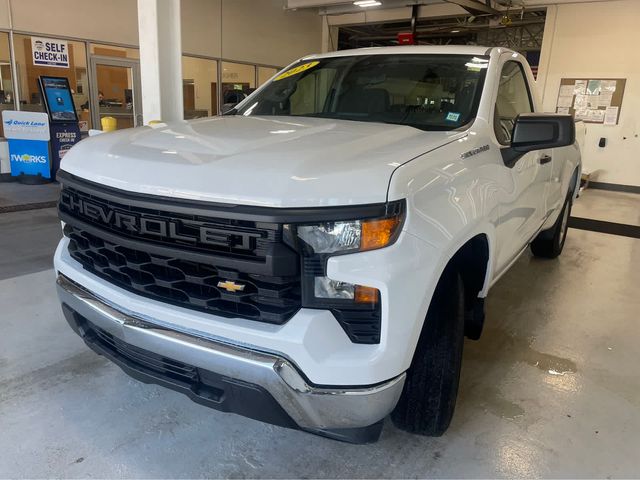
(550, 389)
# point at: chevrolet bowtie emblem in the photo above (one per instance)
(230, 286)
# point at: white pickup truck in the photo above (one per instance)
(315, 258)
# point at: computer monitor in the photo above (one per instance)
(56, 93)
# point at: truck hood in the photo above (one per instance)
(260, 161)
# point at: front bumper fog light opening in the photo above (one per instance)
(326, 288)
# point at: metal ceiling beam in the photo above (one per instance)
(475, 7)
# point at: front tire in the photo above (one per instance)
(429, 397)
(549, 244)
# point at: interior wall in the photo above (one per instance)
(264, 32)
(259, 31)
(111, 21)
(201, 27)
(598, 40)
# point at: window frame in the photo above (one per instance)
(495, 103)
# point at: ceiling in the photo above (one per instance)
(332, 7)
(517, 29)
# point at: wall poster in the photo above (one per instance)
(592, 100)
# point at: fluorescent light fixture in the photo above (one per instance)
(455, 31)
(477, 63)
(367, 3)
(477, 66)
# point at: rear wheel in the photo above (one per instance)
(431, 387)
(549, 244)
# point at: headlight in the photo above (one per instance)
(357, 307)
(350, 236)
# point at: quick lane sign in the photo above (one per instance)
(28, 136)
(48, 52)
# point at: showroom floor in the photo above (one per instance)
(15, 196)
(552, 388)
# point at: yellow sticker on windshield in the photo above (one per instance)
(296, 70)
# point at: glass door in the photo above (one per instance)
(116, 91)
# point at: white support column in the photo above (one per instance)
(160, 60)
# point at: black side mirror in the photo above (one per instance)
(535, 131)
(538, 131)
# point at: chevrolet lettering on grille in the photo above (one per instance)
(178, 230)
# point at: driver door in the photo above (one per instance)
(523, 202)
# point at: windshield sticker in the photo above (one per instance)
(452, 117)
(296, 70)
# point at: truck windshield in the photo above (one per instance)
(430, 92)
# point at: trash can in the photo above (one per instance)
(109, 124)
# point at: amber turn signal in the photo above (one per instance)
(378, 233)
(366, 294)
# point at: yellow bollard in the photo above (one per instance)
(109, 124)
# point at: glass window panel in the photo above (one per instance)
(6, 79)
(199, 87)
(28, 75)
(512, 100)
(265, 73)
(115, 94)
(113, 51)
(238, 81)
(431, 92)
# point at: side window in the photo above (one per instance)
(513, 99)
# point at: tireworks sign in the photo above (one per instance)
(27, 158)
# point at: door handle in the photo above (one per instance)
(544, 159)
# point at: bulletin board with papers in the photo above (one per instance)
(592, 100)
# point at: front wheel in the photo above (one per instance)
(549, 244)
(429, 397)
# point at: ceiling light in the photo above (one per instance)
(455, 31)
(367, 3)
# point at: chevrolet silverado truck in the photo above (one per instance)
(315, 258)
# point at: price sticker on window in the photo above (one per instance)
(296, 70)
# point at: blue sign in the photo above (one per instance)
(28, 136)
(29, 157)
(63, 137)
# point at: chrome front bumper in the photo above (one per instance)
(349, 413)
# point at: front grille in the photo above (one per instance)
(186, 229)
(185, 283)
